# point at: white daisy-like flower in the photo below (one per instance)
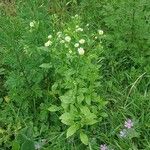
(81, 51)
(76, 45)
(32, 24)
(101, 32)
(67, 38)
(82, 41)
(48, 43)
(79, 29)
(50, 36)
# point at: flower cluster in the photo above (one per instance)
(128, 125)
(103, 147)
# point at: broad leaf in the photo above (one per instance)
(67, 118)
(84, 138)
(72, 129)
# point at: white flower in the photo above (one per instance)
(82, 41)
(50, 36)
(67, 38)
(59, 34)
(77, 26)
(81, 51)
(76, 45)
(62, 41)
(87, 25)
(70, 51)
(95, 37)
(32, 24)
(79, 29)
(101, 32)
(76, 16)
(48, 43)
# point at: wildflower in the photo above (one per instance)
(87, 25)
(79, 29)
(101, 32)
(37, 145)
(70, 51)
(128, 124)
(48, 43)
(123, 133)
(82, 41)
(62, 41)
(76, 45)
(32, 24)
(50, 36)
(59, 34)
(76, 16)
(81, 51)
(95, 37)
(103, 147)
(68, 38)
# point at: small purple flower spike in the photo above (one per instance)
(128, 124)
(103, 147)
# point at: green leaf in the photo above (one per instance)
(67, 118)
(53, 108)
(84, 138)
(85, 110)
(103, 114)
(91, 121)
(2, 71)
(72, 129)
(46, 65)
(15, 145)
(88, 99)
(68, 97)
(1, 100)
(28, 145)
(80, 98)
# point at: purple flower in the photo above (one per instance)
(128, 124)
(103, 147)
(123, 133)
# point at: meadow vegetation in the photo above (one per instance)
(74, 75)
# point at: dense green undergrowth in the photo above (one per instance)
(75, 75)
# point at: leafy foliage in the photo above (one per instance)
(71, 71)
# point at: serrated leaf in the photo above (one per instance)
(84, 138)
(72, 129)
(53, 108)
(46, 65)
